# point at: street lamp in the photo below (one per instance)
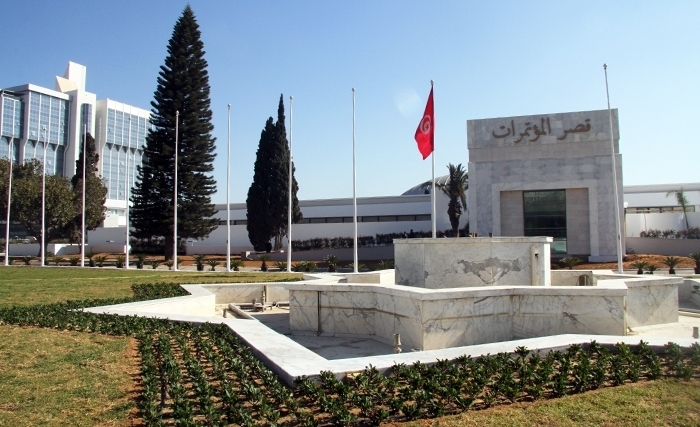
(43, 202)
(177, 123)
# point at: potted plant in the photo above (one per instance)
(199, 261)
(332, 262)
(212, 264)
(237, 263)
(281, 265)
(27, 259)
(571, 262)
(120, 260)
(74, 260)
(696, 257)
(264, 258)
(57, 260)
(100, 260)
(47, 257)
(671, 262)
(140, 260)
(651, 268)
(169, 263)
(91, 261)
(154, 263)
(640, 266)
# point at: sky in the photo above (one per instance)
(488, 59)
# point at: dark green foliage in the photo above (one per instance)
(455, 188)
(26, 199)
(268, 195)
(95, 192)
(183, 86)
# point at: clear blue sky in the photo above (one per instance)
(488, 59)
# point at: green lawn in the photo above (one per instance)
(56, 378)
(44, 285)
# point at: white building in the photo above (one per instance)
(33, 117)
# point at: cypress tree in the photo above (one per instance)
(183, 86)
(95, 191)
(268, 196)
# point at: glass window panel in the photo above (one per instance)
(545, 215)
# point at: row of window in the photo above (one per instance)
(659, 209)
(48, 112)
(126, 129)
(114, 172)
(347, 219)
(12, 115)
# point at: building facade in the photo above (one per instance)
(48, 124)
(121, 136)
(547, 175)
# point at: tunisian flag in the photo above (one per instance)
(425, 134)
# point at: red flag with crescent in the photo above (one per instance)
(425, 134)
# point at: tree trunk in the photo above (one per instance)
(168, 248)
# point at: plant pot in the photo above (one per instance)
(697, 268)
(139, 266)
(91, 263)
(200, 267)
(671, 271)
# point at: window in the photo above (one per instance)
(545, 215)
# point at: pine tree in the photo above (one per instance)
(268, 196)
(95, 192)
(183, 86)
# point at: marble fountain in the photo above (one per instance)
(445, 297)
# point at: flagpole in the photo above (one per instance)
(289, 203)
(228, 195)
(126, 196)
(354, 188)
(432, 192)
(614, 171)
(82, 225)
(9, 185)
(177, 123)
(43, 199)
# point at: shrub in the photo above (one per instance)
(640, 266)
(671, 262)
(119, 261)
(571, 262)
(212, 264)
(154, 263)
(237, 264)
(74, 260)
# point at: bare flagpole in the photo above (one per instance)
(9, 185)
(82, 225)
(354, 188)
(228, 195)
(127, 192)
(177, 123)
(43, 200)
(614, 171)
(432, 192)
(291, 177)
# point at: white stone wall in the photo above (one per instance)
(581, 160)
(472, 262)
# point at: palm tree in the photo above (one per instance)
(455, 188)
(682, 202)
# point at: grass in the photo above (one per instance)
(57, 378)
(657, 403)
(37, 285)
